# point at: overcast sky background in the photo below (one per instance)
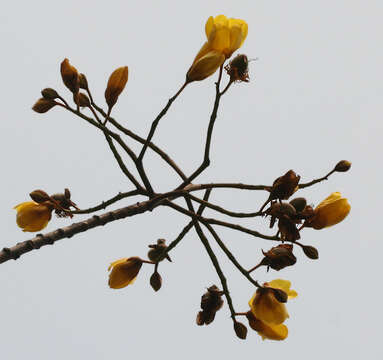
(315, 97)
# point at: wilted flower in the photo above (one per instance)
(124, 272)
(329, 212)
(211, 302)
(224, 36)
(278, 257)
(32, 216)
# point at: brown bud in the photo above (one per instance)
(238, 68)
(211, 302)
(284, 186)
(254, 323)
(116, 85)
(280, 295)
(299, 203)
(310, 251)
(49, 94)
(240, 330)
(81, 99)
(156, 281)
(39, 196)
(342, 166)
(70, 76)
(43, 105)
(279, 257)
(83, 82)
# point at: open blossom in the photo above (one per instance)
(124, 272)
(224, 36)
(267, 313)
(32, 216)
(330, 211)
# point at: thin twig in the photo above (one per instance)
(206, 160)
(223, 210)
(230, 255)
(106, 203)
(315, 181)
(157, 120)
(213, 259)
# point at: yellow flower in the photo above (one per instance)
(32, 216)
(124, 272)
(330, 211)
(267, 314)
(224, 36)
(267, 331)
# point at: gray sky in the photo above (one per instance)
(315, 97)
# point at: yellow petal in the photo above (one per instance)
(124, 272)
(209, 26)
(330, 211)
(32, 216)
(273, 332)
(334, 196)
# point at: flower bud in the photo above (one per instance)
(310, 251)
(240, 330)
(83, 82)
(342, 166)
(116, 85)
(299, 203)
(39, 196)
(43, 105)
(49, 94)
(70, 76)
(81, 99)
(123, 272)
(156, 281)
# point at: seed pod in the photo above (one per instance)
(299, 203)
(43, 105)
(156, 281)
(116, 85)
(310, 251)
(49, 94)
(342, 166)
(240, 330)
(39, 196)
